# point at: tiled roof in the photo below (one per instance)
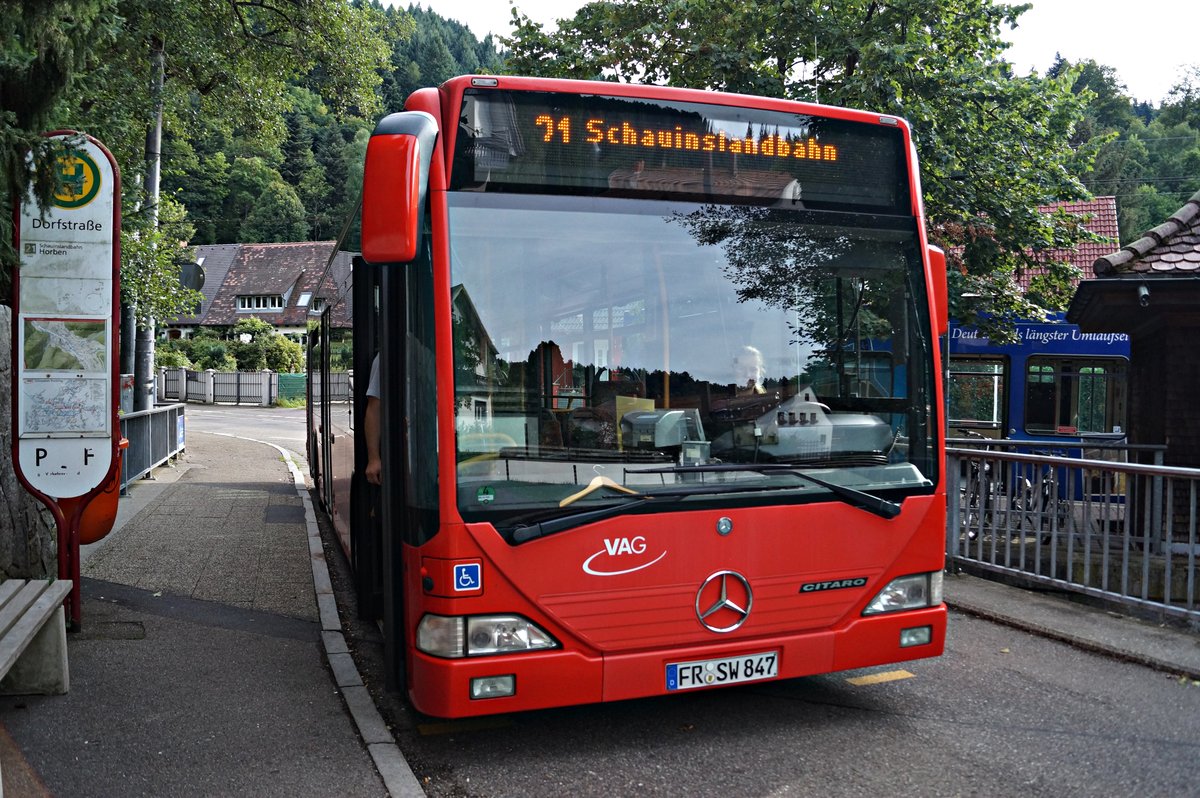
(289, 270)
(215, 259)
(1172, 248)
(1100, 217)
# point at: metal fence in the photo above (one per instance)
(338, 388)
(172, 382)
(1119, 531)
(238, 387)
(155, 436)
(208, 387)
(197, 386)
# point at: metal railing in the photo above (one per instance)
(197, 387)
(1122, 532)
(172, 382)
(155, 436)
(339, 388)
(231, 386)
(209, 386)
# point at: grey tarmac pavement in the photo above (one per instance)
(1166, 647)
(203, 663)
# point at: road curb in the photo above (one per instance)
(1172, 667)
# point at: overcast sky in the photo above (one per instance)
(1148, 42)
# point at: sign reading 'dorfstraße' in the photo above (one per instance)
(64, 377)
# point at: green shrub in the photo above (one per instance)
(171, 357)
(283, 355)
(249, 356)
(212, 354)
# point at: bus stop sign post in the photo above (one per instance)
(65, 320)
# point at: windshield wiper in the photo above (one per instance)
(855, 498)
(561, 523)
(564, 522)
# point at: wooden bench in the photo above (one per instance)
(33, 637)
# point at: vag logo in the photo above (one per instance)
(631, 552)
(634, 545)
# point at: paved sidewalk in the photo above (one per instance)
(1166, 648)
(209, 659)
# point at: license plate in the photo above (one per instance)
(731, 670)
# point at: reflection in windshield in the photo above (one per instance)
(597, 337)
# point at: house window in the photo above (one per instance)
(260, 302)
(318, 305)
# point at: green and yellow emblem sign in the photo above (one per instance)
(78, 180)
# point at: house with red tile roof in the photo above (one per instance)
(1099, 216)
(1150, 288)
(282, 284)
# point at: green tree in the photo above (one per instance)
(44, 46)
(253, 328)
(250, 356)
(228, 66)
(1182, 105)
(257, 345)
(993, 146)
(209, 353)
(278, 215)
(172, 356)
(1109, 107)
(198, 175)
(249, 179)
(284, 355)
(1168, 173)
(150, 264)
(431, 49)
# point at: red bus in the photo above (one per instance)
(632, 440)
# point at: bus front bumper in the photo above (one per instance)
(463, 687)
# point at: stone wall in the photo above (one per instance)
(28, 546)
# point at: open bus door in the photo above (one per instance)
(366, 511)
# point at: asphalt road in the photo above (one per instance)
(280, 426)
(1003, 712)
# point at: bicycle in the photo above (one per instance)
(1054, 507)
(977, 493)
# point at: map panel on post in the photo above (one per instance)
(70, 406)
(56, 345)
(63, 378)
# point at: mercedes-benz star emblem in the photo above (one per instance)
(725, 596)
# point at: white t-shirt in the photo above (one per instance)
(373, 384)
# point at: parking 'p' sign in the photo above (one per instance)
(66, 296)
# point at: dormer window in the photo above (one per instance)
(260, 302)
(315, 305)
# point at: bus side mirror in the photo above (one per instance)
(940, 298)
(395, 182)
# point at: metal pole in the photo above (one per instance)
(143, 375)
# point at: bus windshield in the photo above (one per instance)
(626, 343)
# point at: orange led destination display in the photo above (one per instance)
(556, 143)
(563, 129)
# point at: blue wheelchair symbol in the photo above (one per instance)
(467, 577)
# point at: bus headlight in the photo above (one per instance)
(480, 635)
(908, 593)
